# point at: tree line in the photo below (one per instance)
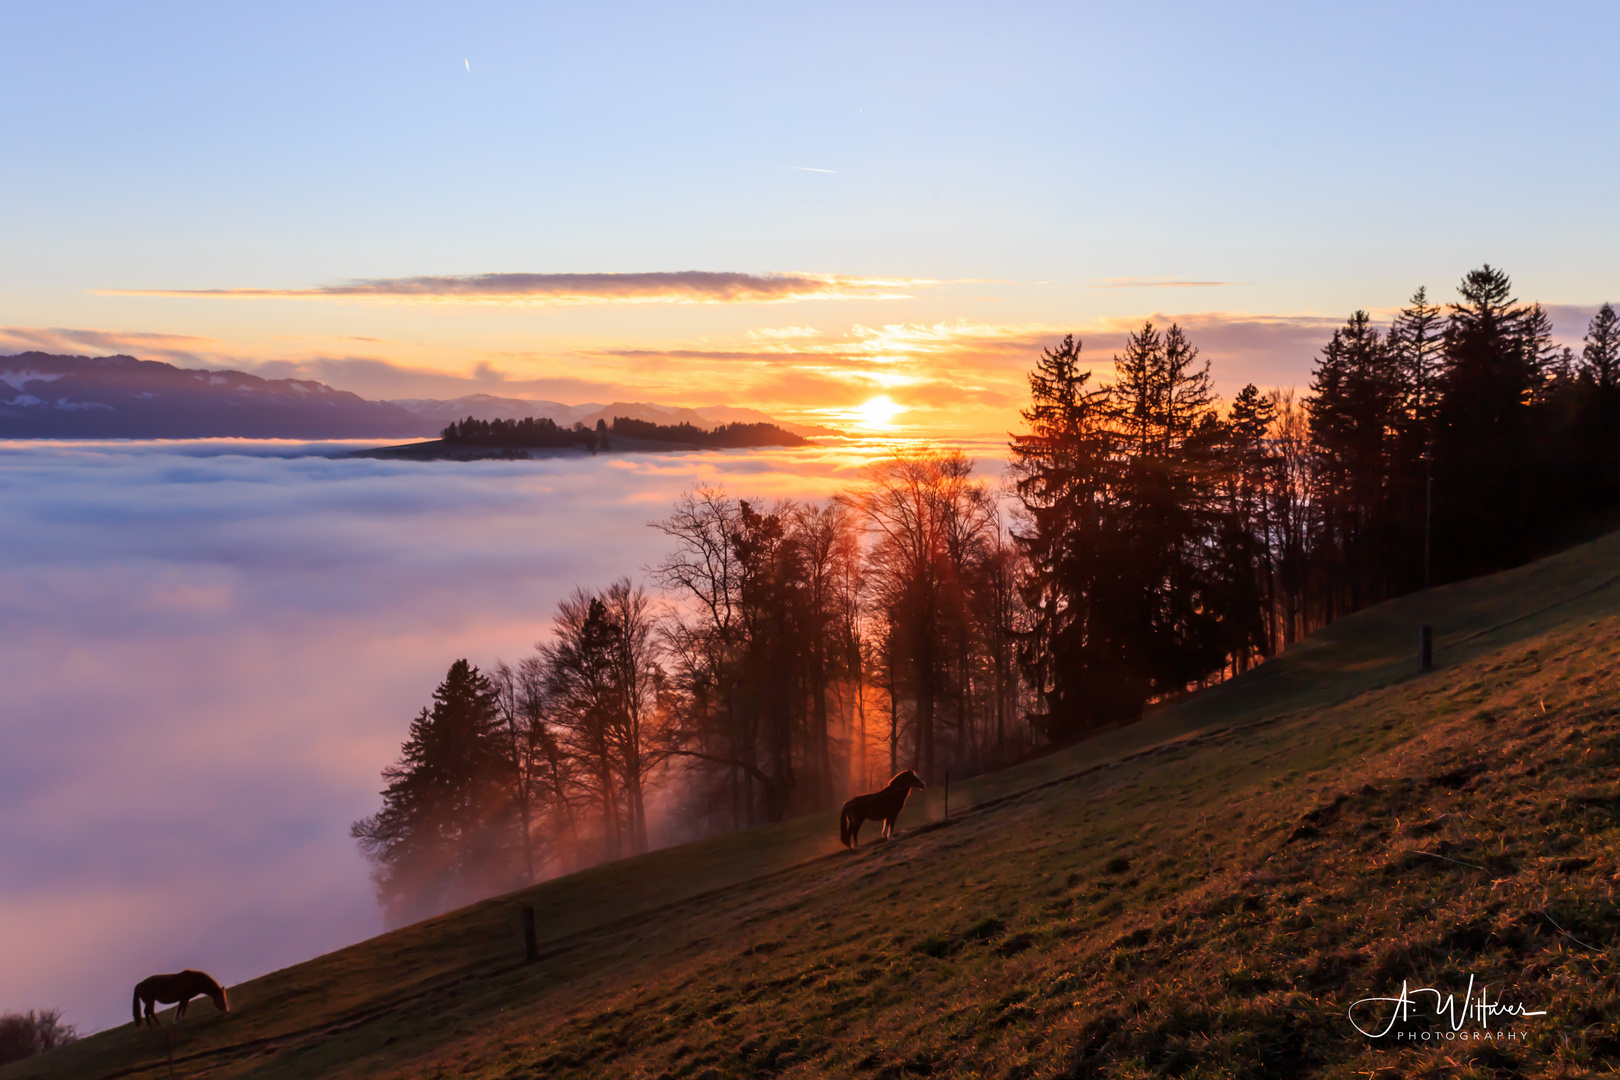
(794, 651)
(1168, 545)
(1146, 540)
(530, 432)
(734, 435)
(536, 432)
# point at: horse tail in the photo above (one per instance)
(135, 1006)
(845, 827)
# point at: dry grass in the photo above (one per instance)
(1201, 895)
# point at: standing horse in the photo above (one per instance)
(180, 987)
(883, 804)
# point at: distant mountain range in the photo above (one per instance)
(120, 397)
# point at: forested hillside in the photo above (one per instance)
(1148, 540)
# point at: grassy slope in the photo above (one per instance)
(1200, 894)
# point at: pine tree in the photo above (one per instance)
(1597, 409)
(1063, 478)
(1357, 389)
(439, 837)
(1170, 444)
(1124, 529)
(1417, 340)
(1549, 364)
(1250, 471)
(1600, 351)
(1484, 441)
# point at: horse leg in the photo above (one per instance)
(180, 1013)
(151, 1011)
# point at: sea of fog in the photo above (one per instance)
(209, 649)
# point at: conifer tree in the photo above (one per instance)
(1063, 479)
(1356, 393)
(438, 838)
(1483, 439)
(1417, 339)
(1167, 513)
(1600, 351)
(1598, 410)
(1248, 546)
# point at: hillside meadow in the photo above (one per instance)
(1202, 894)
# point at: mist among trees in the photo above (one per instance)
(1146, 539)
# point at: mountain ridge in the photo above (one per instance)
(45, 395)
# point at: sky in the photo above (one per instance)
(791, 208)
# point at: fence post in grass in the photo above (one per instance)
(1425, 648)
(531, 944)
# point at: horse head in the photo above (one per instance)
(907, 779)
(206, 984)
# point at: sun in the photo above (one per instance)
(878, 412)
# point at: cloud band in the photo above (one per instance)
(683, 287)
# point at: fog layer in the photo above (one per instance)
(209, 650)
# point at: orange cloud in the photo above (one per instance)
(684, 287)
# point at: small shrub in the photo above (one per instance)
(22, 1035)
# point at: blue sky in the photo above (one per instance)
(1045, 164)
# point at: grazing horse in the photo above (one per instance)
(180, 987)
(883, 804)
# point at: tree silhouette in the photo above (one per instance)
(440, 837)
(22, 1035)
(1600, 351)
(1483, 438)
(1062, 479)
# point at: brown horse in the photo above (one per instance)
(180, 987)
(883, 804)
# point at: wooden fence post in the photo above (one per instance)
(531, 944)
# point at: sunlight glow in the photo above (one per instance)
(878, 412)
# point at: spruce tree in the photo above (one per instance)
(1357, 390)
(1597, 395)
(1251, 467)
(1417, 340)
(438, 839)
(1600, 351)
(1169, 515)
(1484, 442)
(1064, 480)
